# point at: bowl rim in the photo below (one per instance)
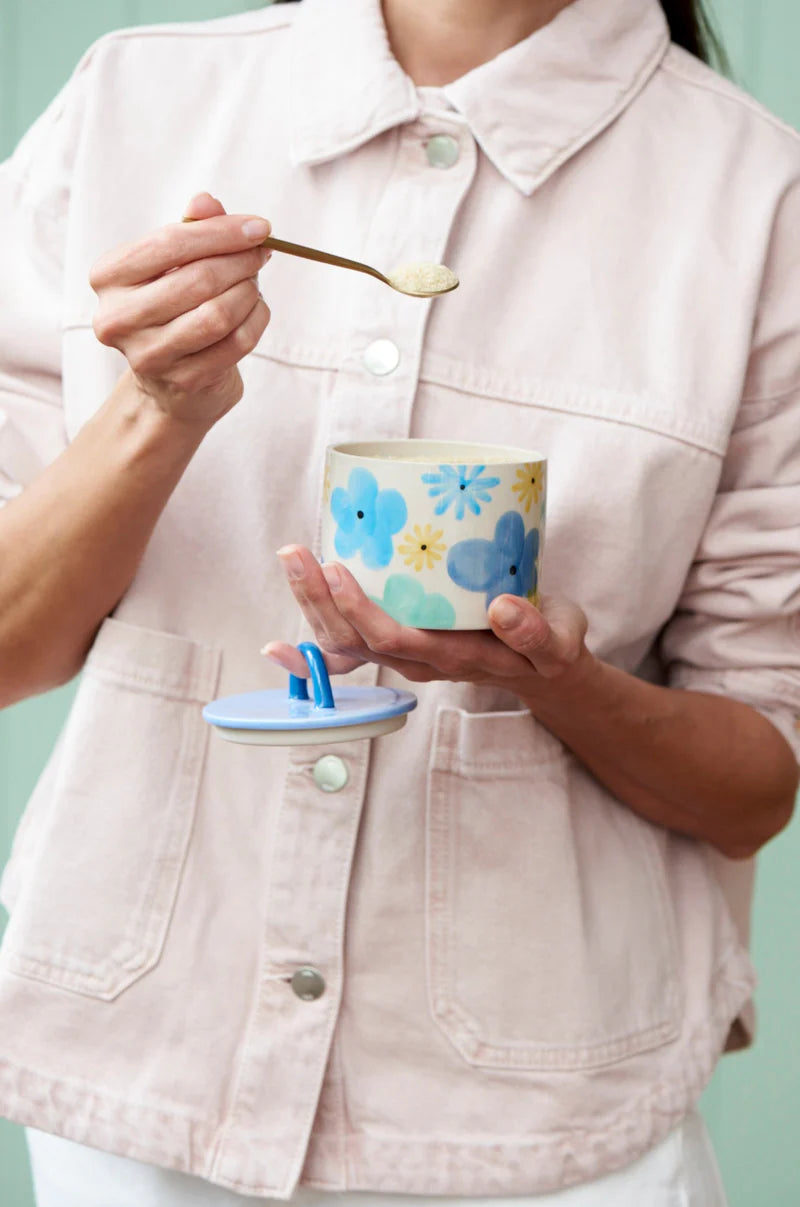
(463, 452)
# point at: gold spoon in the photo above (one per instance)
(415, 280)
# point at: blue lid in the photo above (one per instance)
(293, 711)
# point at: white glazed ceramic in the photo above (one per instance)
(433, 531)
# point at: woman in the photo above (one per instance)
(500, 952)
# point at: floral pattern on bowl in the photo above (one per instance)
(433, 532)
(405, 599)
(367, 518)
(505, 565)
(424, 549)
(463, 486)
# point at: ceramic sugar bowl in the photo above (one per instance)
(434, 531)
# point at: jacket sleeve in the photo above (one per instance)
(736, 630)
(34, 202)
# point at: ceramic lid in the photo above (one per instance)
(293, 713)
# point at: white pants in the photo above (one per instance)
(679, 1172)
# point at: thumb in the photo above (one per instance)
(552, 639)
(203, 205)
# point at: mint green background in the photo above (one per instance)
(753, 1103)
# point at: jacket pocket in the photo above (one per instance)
(93, 914)
(551, 939)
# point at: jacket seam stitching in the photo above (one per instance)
(190, 29)
(670, 65)
(35, 396)
(778, 396)
(145, 685)
(85, 1087)
(691, 442)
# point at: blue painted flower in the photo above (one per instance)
(503, 566)
(407, 602)
(461, 485)
(367, 519)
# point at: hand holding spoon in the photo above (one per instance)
(420, 280)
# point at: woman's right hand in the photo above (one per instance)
(184, 307)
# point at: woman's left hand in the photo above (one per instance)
(527, 649)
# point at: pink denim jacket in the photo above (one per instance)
(526, 984)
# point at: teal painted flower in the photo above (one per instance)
(407, 602)
(461, 485)
(367, 519)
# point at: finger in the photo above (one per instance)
(460, 656)
(551, 648)
(154, 351)
(367, 633)
(195, 372)
(177, 244)
(203, 206)
(124, 312)
(309, 586)
(309, 583)
(290, 659)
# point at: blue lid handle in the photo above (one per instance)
(320, 680)
(298, 689)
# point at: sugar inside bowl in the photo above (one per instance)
(433, 531)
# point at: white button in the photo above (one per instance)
(442, 151)
(382, 356)
(330, 773)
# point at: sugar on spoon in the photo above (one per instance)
(421, 280)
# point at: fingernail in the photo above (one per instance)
(198, 198)
(292, 563)
(333, 577)
(255, 228)
(272, 658)
(266, 254)
(506, 614)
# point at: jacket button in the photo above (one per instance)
(308, 984)
(442, 151)
(382, 356)
(330, 773)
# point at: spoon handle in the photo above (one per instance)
(313, 253)
(324, 257)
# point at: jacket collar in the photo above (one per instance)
(529, 109)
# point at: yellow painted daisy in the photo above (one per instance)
(528, 485)
(423, 549)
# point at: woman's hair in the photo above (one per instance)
(690, 27)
